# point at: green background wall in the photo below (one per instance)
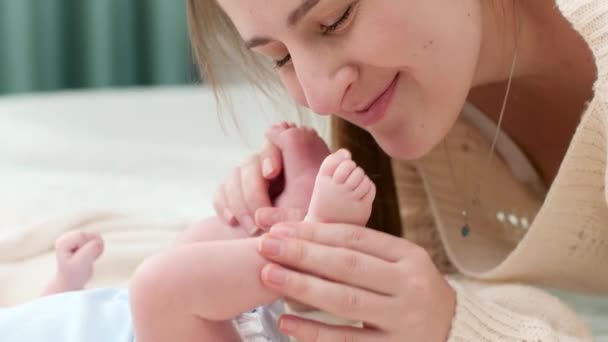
(58, 44)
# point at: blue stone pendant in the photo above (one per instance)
(465, 230)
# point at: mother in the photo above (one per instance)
(430, 82)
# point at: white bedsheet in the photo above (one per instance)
(141, 150)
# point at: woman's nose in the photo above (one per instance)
(324, 87)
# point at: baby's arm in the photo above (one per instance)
(75, 253)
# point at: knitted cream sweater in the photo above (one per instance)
(566, 245)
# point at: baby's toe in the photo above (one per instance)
(343, 171)
(331, 162)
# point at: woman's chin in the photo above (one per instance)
(403, 149)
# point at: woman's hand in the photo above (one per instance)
(388, 283)
(248, 188)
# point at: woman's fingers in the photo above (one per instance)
(247, 188)
(305, 330)
(334, 263)
(236, 201)
(269, 216)
(339, 299)
(221, 207)
(254, 187)
(361, 239)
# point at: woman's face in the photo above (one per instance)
(400, 69)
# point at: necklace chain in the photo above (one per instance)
(484, 174)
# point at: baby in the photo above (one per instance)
(207, 287)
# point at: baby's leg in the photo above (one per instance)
(188, 293)
(302, 151)
(201, 295)
(191, 292)
(211, 229)
(75, 252)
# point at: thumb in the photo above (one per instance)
(268, 217)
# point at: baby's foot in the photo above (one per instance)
(76, 252)
(342, 193)
(303, 152)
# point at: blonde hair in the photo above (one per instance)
(214, 38)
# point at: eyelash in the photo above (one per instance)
(335, 26)
(325, 30)
(281, 62)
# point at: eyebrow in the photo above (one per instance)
(294, 17)
(301, 11)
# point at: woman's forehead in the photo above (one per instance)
(253, 16)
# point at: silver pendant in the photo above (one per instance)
(465, 231)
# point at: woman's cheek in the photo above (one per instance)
(292, 85)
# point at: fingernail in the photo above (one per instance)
(275, 275)
(288, 324)
(270, 246)
(249, 225)
(252, 230)
(267, 167)
(283, 231)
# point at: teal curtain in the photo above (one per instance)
(58, 44)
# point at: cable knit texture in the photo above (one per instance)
(566, 245)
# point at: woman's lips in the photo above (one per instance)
(378, 108)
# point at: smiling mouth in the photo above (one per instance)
(379, 106)
(379, 97)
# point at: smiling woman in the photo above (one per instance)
(487, 119)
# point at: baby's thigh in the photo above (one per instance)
(215, 280)
(211, 229)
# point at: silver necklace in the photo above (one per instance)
(466, 228)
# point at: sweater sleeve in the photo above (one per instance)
(509, 312)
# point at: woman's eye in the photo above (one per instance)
(281, 62)
(327, 29)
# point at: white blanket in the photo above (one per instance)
(27, 260)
